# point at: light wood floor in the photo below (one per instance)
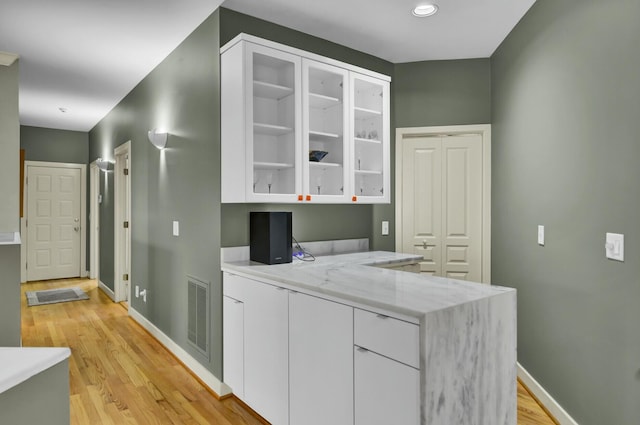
(119, 374)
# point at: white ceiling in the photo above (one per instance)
(86, 55)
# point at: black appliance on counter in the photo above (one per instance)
(270, 237)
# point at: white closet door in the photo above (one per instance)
(422, 194)
(442, 204)
(462, 207)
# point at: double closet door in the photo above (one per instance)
(442, 204)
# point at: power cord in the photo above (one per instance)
(302, 254)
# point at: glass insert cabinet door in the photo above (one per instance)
(273, 124)
(325, 139)
(370, 127)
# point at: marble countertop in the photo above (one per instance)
(20, 364)
(350, 277)
(10, 238)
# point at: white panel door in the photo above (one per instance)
(320, 361)
(442, 204)
(462, 207)
(266, 351)
(53, 222)
(422, 212)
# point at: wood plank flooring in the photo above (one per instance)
(119, 374)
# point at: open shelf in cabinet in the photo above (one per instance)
(368, 172)
(366, 113)
(270, 129)
(271, 165)
(373, 141)
(323, 165)
(321, 101)
(271, 91)
(321, 136)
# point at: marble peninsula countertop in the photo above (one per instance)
(20, 364)
(359, 278)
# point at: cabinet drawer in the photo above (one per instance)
(233, 286)
(390, 337)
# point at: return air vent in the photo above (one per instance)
(198, 311)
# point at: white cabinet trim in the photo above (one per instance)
(302, 53)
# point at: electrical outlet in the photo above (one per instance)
(176, 228)
(385, 228)
(137, 291)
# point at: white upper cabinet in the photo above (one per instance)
(299, 127)
(325, 120)
(370, 128)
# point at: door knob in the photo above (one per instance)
(76, 228)
(424, 244)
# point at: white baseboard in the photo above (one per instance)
(214, 384)
(107, 290)
(545, 398)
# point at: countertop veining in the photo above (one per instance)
(352, 277)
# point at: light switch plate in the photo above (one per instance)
(176, 228)
(540, 235)
(614, 246)
(385, 228)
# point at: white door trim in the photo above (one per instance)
(83, 211)
(119, 218)
(485, 131)
(94, 221)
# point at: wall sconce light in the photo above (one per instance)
(103, 164)
(158, 139)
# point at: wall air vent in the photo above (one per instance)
(198, 311)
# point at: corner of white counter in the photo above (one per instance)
(21, 363)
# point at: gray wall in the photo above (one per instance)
(41, 399)
(310, 222)
(179, 183)
(51, 145)
(9, 295)
(433, 93)
(566, 99)
(10, 148)
(452, 92)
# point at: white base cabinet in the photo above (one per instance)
(290, 356)
(386, 391)
(233, 348)
(320, 361)
(266, 354)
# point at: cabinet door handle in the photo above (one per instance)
(361, 350)
(237, 302)
(382, 316)
(292, 292)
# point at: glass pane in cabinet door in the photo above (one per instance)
(368, 128)
(326, 130)
(273, 125)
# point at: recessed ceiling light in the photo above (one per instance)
(425, 10)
